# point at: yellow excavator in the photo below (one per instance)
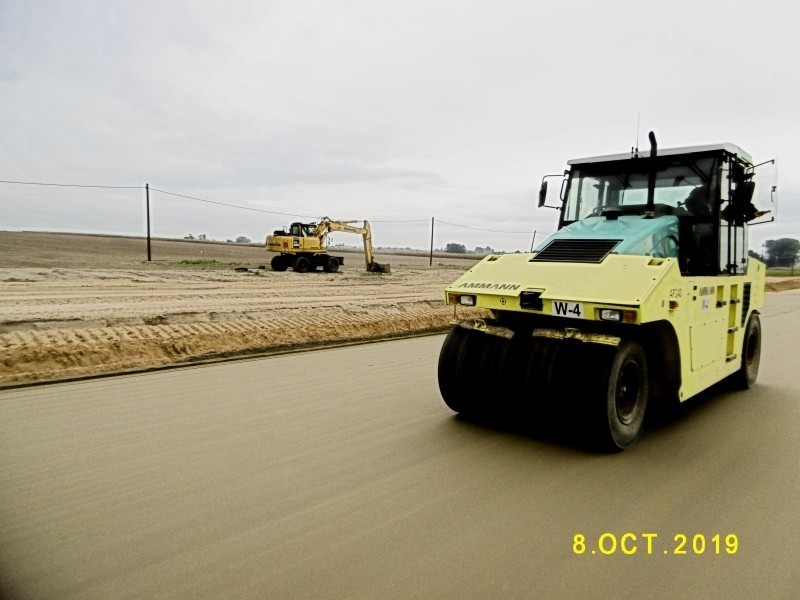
(305, 247)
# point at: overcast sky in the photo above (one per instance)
(394, 112)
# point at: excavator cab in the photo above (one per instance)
(301, 229)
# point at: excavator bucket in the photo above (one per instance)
(375, 267)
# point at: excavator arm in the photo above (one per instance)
(327, 226)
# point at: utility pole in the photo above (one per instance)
(147, 192)
(431, 261)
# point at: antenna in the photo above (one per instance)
(635, 149)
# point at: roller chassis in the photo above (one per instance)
(688, 334)
(545, 347)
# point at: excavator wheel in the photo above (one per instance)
(301, 264)
(279, 263)
(331, 265)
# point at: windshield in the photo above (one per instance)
(623, 184)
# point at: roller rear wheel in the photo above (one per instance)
(746, 376)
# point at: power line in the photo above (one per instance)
(400, 221)
(250, 208)
(108, 187)
(481, 229)
(261, 210)
(277, 212)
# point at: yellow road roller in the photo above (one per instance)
(644, 297)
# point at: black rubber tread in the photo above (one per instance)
(279, 263)
(471, 371)
(331, 264)
(538, 371)
(627, 370)
(301, 264)
(494, 390)
(570, 387)
(747, 374)
(575, 376)
(450, 370)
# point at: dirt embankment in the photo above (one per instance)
(782, 284)
(93, 304)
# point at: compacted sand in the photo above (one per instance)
(74, 305)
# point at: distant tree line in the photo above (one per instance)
(242, 239)
(462, 249)
(779, 253)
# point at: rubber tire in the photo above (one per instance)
(278, 263)
(301, 264)
(331, 265)
(747, 374)
(539, 380)
(624, 408)
(458, 368)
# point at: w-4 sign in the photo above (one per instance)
(567, 309)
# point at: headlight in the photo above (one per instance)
(610, 314)
(618, 316)
(464, 300)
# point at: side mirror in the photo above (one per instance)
(542, 194)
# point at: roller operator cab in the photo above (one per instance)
(644, 297)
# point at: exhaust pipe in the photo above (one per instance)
(650, 209)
